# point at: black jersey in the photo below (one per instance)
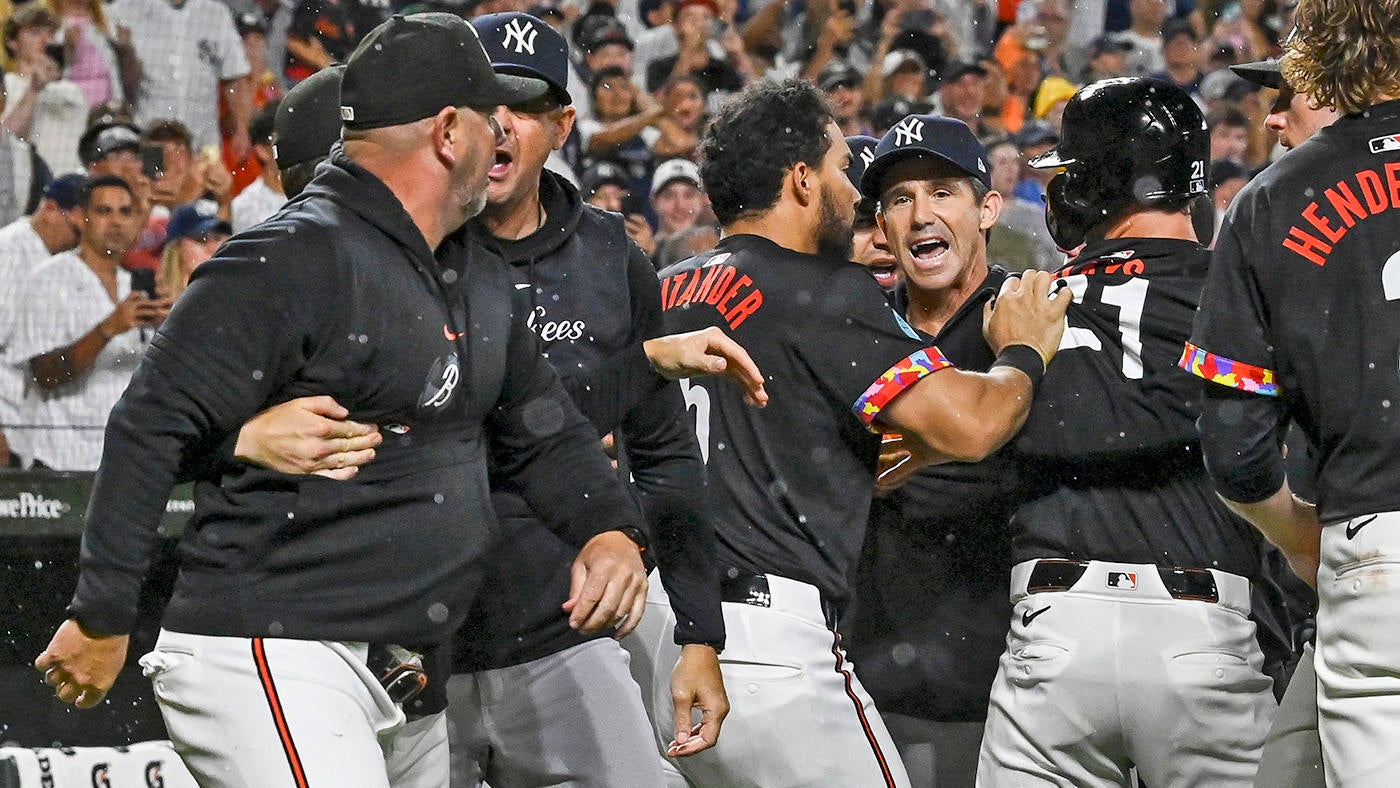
(791, 483)
(1301, 305)
(929, 621)
(1110, 454)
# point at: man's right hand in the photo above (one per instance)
(308, 435)
(708, 351)
(137, 309)
(1026, 313)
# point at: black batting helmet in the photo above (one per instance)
(1125, 142)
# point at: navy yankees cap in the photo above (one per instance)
(66, 190)
(307, 123)
(411, 67)
(862, 153)
(104, 139)
(526, 46)
(196, 221)
(933, 136)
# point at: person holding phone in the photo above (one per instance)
(44, 109)
(80, 330)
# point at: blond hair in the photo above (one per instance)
(171, 278)
(95, 8)
(1345, 53)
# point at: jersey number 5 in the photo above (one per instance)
(698, 398)
(1129, 297)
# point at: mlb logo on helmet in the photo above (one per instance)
(1124, 580)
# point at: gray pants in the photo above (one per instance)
(573, 718)
(936, 754)
(1292, 756)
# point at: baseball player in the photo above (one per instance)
(292, 589)
(930, 609)
(791, 483)
(1297, 323)
(1130, 642)
(868, 242)
(1292, 754)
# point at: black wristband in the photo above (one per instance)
(1022, 357)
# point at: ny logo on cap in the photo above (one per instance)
(908, 131)
(523, 34)
(867, 155)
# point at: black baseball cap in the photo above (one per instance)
(862, 153)
(1261, 72)
(958, 69)
(526, 46)
(839, 74)
(893, 109)
(604, 172)
(607, 30)
(104, 139)
(307, 123)
(410, 67)
(933, 136)
(1104, 44)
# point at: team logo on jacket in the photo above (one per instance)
(1385, 143)
(443, 378)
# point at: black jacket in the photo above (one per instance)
(592, 297)
(338, 294)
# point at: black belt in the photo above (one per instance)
(753, 590)
(398, 669)
(1058, 574)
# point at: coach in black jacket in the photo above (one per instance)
(283, 579)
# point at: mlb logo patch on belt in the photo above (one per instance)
(1126, 581)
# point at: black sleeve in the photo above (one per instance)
(658, 71)
(212, 365)
(39, 178)
(1240, 438)
(606, 391)
(303, 24)
(663, 456)
(543, 450)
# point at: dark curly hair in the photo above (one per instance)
(755, 139)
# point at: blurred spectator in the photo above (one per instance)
(185, 177)
(961, 95)
(606, 185)
(1179, 53)
(1050, 100)
(682, 121)
(1226, 179)
(43, 108)
(25, 243)
(266, 87)
(82, 330)
(622, 128)
(836, 31)
(906, 75)
(261, 198)
(194, 234)
(114, 148)
(1221, 89)
(657, 40)
(1145, 35)
(1229, 134)
(1039, 35)
(708, 49)
(902, 25)
(845, 89)
(1033, 140)
(100, 59)
(606, 45)
(1001, 113)
(678, 197)
(891, 111)
(686, 244)
(23, 175)
(322, 32)
(1107, 58)
(1020, 240)
(191, 51)
(277, 19)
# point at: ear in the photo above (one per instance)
(446, 129)
(991, 209)
(880, 219)
(563, 125)
(802, 180)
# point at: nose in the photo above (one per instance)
(497, 122)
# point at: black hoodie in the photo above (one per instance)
(592, 297)
(337, 294)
